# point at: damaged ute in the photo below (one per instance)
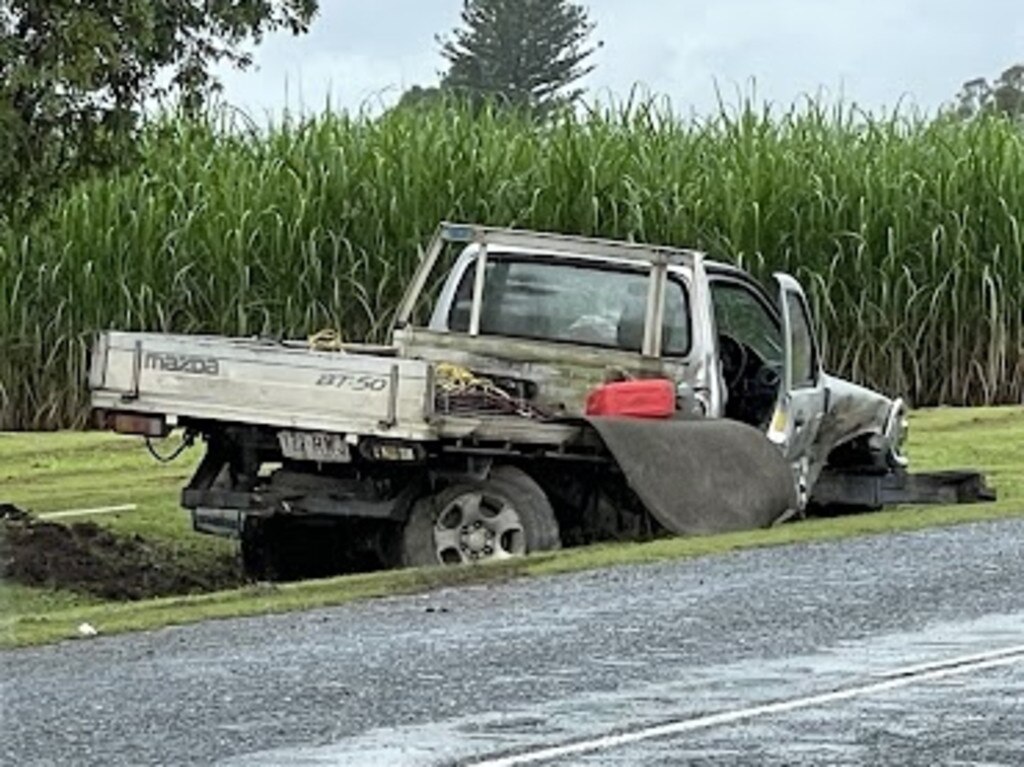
(538, 390)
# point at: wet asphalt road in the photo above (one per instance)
(458, 676)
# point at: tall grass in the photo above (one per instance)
(906, 232)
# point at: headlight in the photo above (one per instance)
(896, 427)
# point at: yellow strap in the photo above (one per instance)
(326, 340)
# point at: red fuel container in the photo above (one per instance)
(649, 398)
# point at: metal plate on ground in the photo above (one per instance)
(314, 446)
(698, 477)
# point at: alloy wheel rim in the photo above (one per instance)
(477, 526)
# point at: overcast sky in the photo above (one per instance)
(872, 52)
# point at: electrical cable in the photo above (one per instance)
(187, 441)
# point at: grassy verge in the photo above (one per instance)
(52, 472)
(67, 471)
(47, 472)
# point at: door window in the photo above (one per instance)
(805, 356)
(741, 314)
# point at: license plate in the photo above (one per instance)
(314, 446)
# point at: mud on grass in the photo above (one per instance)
(88, 559)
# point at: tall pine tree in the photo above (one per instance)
(525, 53)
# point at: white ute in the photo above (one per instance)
(465, 438)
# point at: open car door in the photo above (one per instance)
(802, 394)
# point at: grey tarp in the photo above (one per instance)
(700, 476)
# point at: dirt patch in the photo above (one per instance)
(87, 558)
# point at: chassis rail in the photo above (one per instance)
(873, 490)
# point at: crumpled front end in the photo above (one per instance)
(861, 426)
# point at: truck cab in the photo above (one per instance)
(555, 317)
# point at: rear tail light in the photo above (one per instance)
(135, 423)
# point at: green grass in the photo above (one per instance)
(53, 472)
(49, 472)
(906, 232)
(991, 439)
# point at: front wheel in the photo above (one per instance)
(506, 515)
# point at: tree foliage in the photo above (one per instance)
(74, 76)
(526, 53)
(418, 97)
(1003, 96)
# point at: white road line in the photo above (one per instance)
(962, 660)
(938, 671)
(84, 512)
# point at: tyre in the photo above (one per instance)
(506, 515)
(259, 550)
(279, 549)
(283, 549)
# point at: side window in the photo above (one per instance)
(462, 303)
(675, 334)
(740, 313)
(562, 301)
(805, 356)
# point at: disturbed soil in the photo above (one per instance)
(90, 559)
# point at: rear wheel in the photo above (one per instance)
(260, 550)
(506, 515)
(284, 549)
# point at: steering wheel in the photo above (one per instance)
(767, 377)
(734, 359)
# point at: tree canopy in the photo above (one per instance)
(1004, 95)
(526, 53)
(74, 76)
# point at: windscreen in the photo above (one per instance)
(553, 300)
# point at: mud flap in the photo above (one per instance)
(701, 476)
